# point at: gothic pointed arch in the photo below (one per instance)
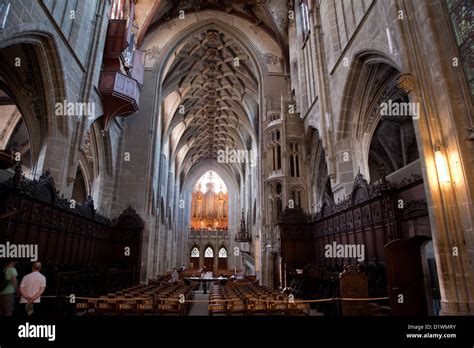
(368, 68)
(32, 76)
(209, 257)
(222, 258)
(210, 87)
(80, 190)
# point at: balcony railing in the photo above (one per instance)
(208, 233)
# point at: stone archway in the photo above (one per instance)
(447, 222)
(207, 105)
(32, 76)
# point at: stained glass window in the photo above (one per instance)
(222, 253)
(461, 13)
(195, 252)
(209, 252)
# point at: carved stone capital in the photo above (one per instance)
(406, 82)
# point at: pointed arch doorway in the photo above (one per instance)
(222, 258)
(209, 258)
(194, 258)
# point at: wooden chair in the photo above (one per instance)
(298, 308)
(217, 307)
(236, 306)
(103, 307)
(257, 307)
(277, 308)
(146, 308)
(126, 307)
(166, 307)
(83, 308)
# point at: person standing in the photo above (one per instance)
(203, 276)
(31, 288)
(8, 290)
(174, 276)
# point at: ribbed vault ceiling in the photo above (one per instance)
(270, 15)
(217, 87)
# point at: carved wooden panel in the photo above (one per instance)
(350, 220)
(354, 285)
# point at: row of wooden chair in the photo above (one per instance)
(250, 300)
(154, 299)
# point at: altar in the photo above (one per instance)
(205, 281)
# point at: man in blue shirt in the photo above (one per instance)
(9, 288)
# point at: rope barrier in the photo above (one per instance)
(219, 301)
(156, 297)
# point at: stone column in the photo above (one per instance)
(452, 258)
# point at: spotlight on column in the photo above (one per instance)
(442, 167)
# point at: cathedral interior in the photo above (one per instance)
(283, 157)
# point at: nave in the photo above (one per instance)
(316, 154)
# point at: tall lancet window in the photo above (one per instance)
(461, 13)
(304, 14)
(274, 148)
(294, 152)
(222, 260)
(210, 203)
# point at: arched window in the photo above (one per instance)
(209, 252)
(222, 260)
(194, 259)
(297, 198)
(274, 149)
(222, 253)
(209, 258)
(294, 160)
(278, 154)
(195, 252)
(460, 12)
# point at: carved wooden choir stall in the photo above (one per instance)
(389, 221)
(82, 252)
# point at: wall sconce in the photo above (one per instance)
(442, 166)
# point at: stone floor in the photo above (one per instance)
(200, 309)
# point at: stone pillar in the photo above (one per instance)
(201, 256)
(452, 258)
